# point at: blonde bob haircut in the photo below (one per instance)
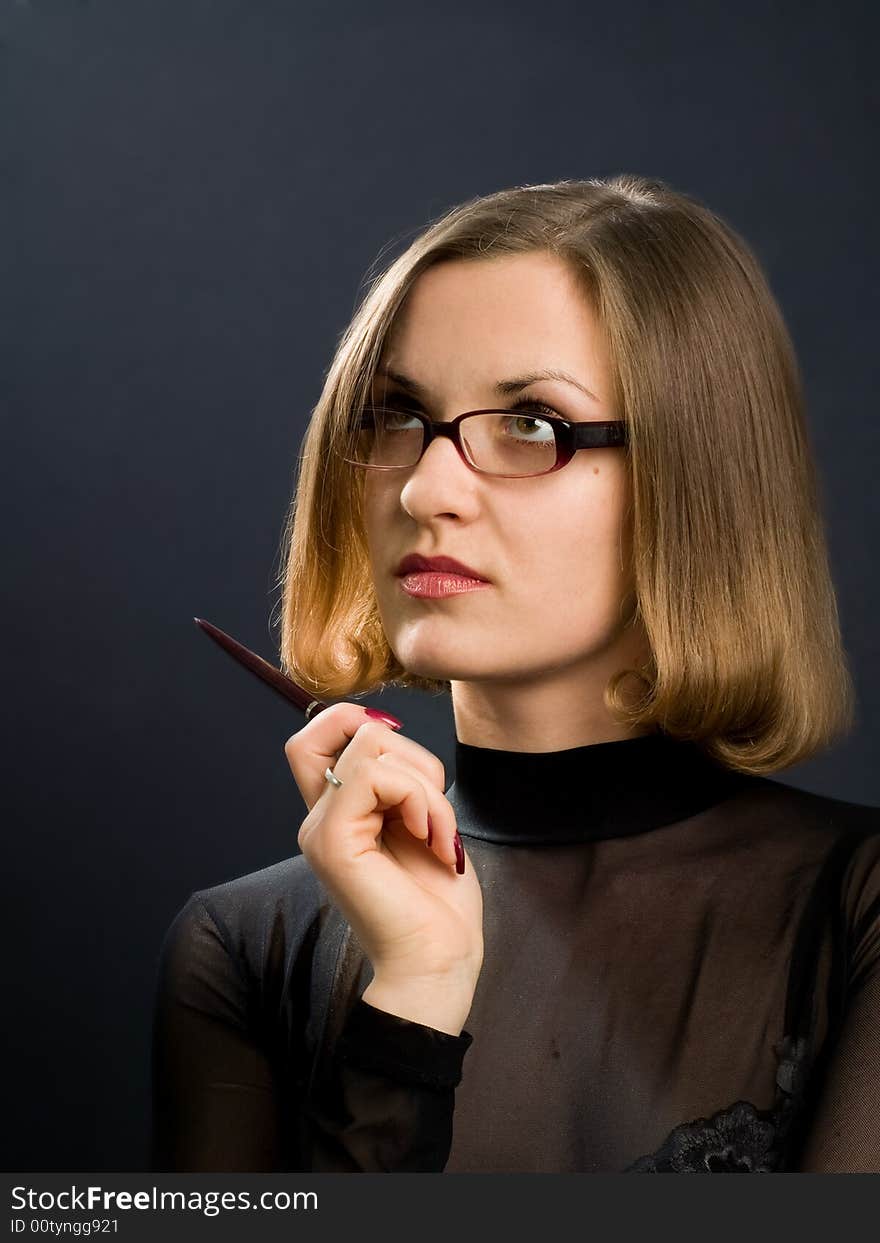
(730, 562)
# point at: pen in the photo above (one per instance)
(273, 677)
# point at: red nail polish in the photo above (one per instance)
(459, 854)
(430, 832)
(385, 717)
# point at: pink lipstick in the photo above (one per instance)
(436, 584)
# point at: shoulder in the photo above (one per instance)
(255, 919)
(808, 840)
(844, 838)
(288, 887)
(804, 808)
(850, 830)
(797, 827)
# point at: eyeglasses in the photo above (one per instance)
(511, 444)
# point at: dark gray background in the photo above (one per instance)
(196, 190)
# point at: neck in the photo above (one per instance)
(547, 710)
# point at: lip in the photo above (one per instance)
(434, 585)
(415, 563)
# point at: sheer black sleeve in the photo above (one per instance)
(388, 1103)
(844, 1134)
(225, 1099)
(215, 1099)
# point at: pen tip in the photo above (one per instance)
(197, 620)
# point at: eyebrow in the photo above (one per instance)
(503, 387)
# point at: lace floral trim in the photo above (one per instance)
(740, 1139)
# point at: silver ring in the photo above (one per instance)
(310, 710)
(328, 776)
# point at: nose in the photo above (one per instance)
(440, 482)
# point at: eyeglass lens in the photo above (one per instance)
(503, 442)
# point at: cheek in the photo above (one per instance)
(578, 537)
(377, 509)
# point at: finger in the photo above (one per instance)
(347, 821)
(320, 744)
(442, 825)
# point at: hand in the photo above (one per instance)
(418, 920)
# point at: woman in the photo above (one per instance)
(665, 958)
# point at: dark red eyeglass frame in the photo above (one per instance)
(599, 434)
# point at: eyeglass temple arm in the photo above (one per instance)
(599, 434)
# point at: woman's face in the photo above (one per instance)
(554, 548)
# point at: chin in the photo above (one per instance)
(460, 669)
(443, 666)
(438, 669)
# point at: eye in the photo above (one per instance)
(527, 427)
(394, 412)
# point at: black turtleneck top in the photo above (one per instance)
(681, 974)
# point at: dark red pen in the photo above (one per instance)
(280, 682)
(273, 677)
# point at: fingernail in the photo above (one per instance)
(459, 854)
(385, 717)
(430, 832)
